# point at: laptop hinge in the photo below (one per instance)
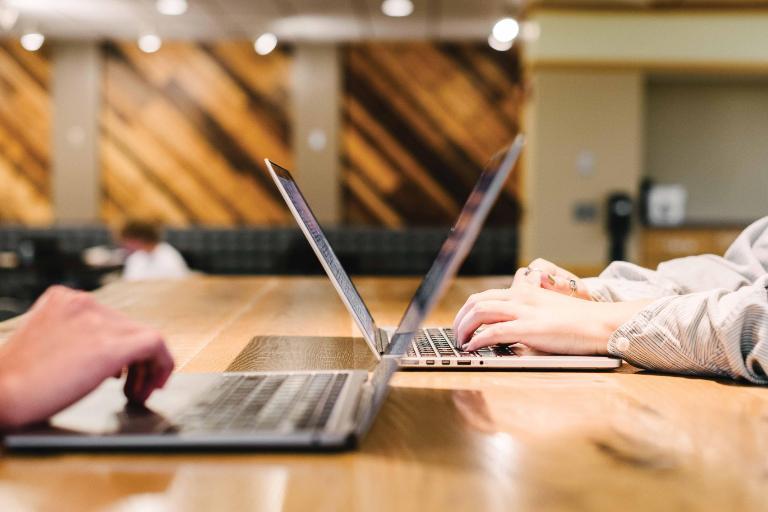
(382, 340)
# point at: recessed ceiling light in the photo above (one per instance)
(506, 30)
(150, 43)
(8, 16)
(499, 46)
(265, 43)
(32, 41)
(172, 7)
(397, 8)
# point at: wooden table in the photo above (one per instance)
(538, 441)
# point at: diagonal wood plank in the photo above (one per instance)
(430, 114)
(25, 117)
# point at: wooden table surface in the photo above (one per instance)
(507, 440)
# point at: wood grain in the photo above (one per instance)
(280, 353)
(185, 132)
(420, 122)
(25, 119)
(498, 441)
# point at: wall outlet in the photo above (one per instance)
(585, 211)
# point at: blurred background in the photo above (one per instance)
(646, 124)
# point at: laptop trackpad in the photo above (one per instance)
(106, 411)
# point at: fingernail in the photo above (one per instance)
(551, 279)
(464, 347)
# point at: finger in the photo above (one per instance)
(503, 332)
(527, 277)
(162, 368)
(473, 299)
(567, 284)
(487, 312)
(557, 283)
(546, 266)
(134, 382)
(151, 368)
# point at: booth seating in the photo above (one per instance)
(53, 255)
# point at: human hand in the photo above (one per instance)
(541, 319)
(560, 280)
(65, 347)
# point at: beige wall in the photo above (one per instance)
(571, 114)
(654, 38)
(710, 135)
(316, 118)
(588, 69)
(76, 102)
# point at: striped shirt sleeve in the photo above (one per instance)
(717, 333)
(745, 261)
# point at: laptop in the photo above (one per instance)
(270, 410)
(432, 348)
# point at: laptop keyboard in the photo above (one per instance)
(440, 343)
(273, 402)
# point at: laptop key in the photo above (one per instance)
(253, 403)
(324, 414)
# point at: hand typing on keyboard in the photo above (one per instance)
(541, 319)
(66, 345)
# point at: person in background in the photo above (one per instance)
(148, 256)
(64, 347)
(702, 315)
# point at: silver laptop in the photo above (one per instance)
(328, 409)
(431, 348)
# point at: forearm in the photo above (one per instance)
(622, 281)
(608, 317)
(717, 333)
(744, 263)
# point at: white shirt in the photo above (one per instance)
(163, 262)
(710, 314)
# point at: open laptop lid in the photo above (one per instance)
(447, 263)
(458, 244)
(317, 239)
(445, 266)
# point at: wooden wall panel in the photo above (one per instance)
(25, 118)
(420, 121)
(185, 132)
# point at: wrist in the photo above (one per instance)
(614, 315)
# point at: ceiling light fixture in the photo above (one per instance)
(505, 30)
(499, 46)
(8, 16)
(397, 8)
(32, 41)
(150, 43)
(265, 43)
(172, 7)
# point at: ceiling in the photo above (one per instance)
(319, 20)
(331, 20)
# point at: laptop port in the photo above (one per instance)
(430, 362)
(464, 363)
(446, 362)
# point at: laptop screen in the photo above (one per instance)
(308, 223)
